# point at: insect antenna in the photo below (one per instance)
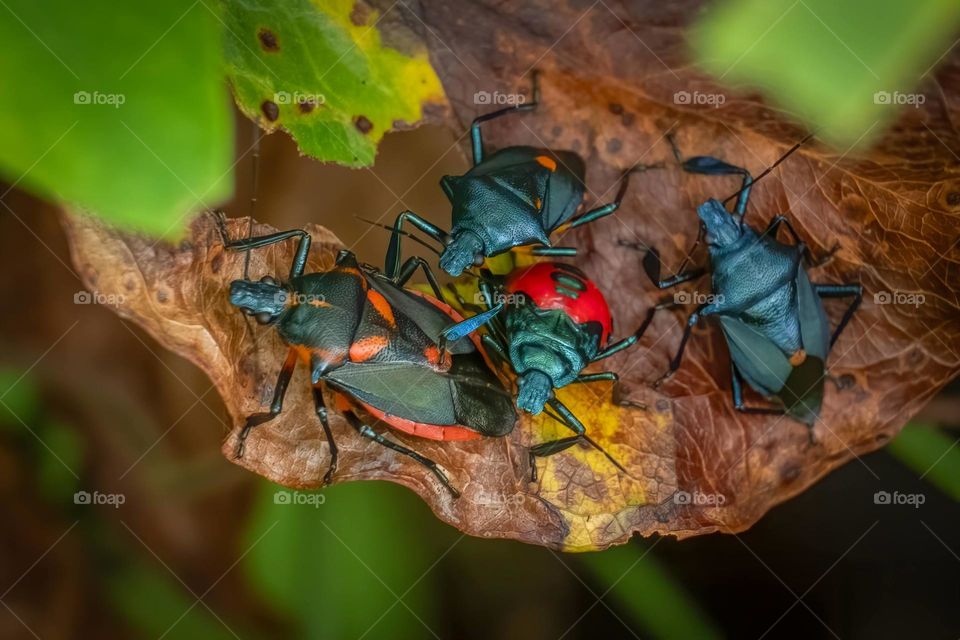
(769, 169)
(420, 241)
(257, 134)
(413, 237)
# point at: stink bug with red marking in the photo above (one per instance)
(548, 322)
(378, 347)
(515, 197)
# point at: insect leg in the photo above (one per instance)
(321, 409)
(708, 165)
(555, 252)
(369, 433)
(841, 291)
(256, 242)
(392, 266)
(599, 212)
(573, 423)
(545, 449)
(603, 376)
(736, 392)
(629, 341)
(652, 265)
(276, 406)
(408, 269)
(475, 135)
(675, 363)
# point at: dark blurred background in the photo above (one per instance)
(184, 544)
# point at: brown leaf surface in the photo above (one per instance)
(608, 85)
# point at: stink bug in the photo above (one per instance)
(515, 197)
(377, 346)
(771, 313)
(554, 323)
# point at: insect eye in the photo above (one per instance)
(268, 280)
(264, 317)
(478, 260)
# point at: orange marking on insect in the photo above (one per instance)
(382, 306)
(366, 348)
(432, 354)
(547, 161)
(321, 304)
(798, 357)
(537, 202)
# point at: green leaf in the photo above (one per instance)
(333, 560)
(321, 71)
(118, 107)
(845, 67)
(647, 592)
(932, 454)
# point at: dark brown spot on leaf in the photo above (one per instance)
(270, 110)
(268, 40)
(305, 106)
(363, 124)
(614, 145)
(615, 108)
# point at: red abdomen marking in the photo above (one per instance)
(447, 433)
(554, 285)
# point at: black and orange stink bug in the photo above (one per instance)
(378, 347)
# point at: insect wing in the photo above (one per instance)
(757, 358)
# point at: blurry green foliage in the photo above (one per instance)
(335, 562)
(322, 67)
(932, 454)
(154, 603)
(19, 398)
(116, 106)
(842, 66)
(64, 451)
(642, 588)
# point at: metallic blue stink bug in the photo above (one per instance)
(515, 197)
(771, 313)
